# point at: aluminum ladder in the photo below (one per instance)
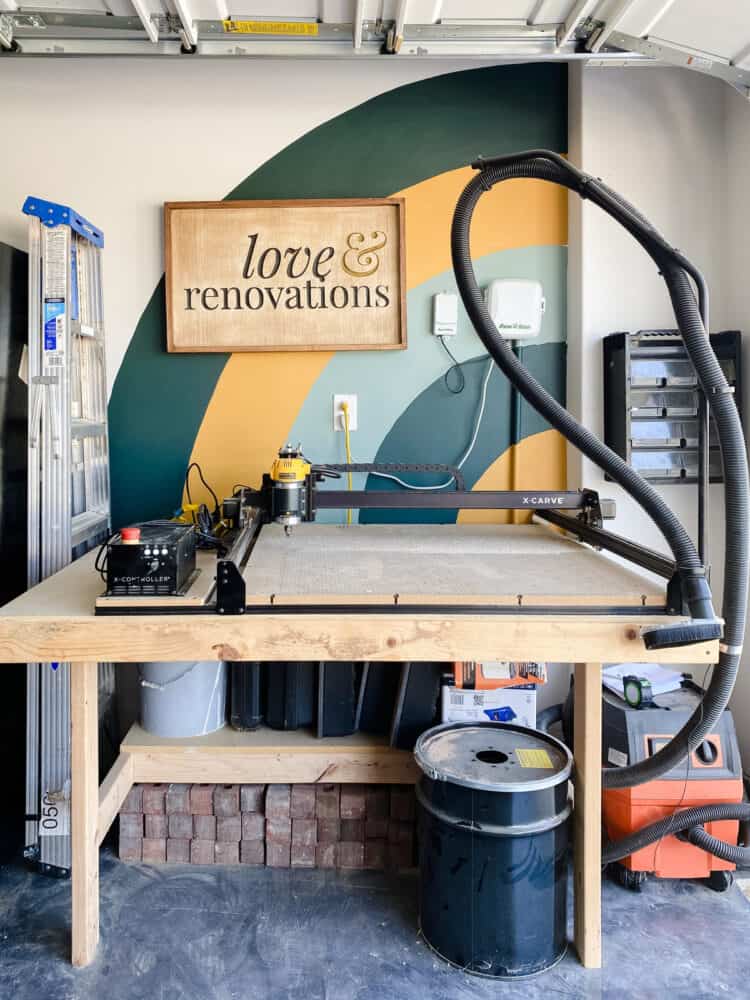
(68, 484)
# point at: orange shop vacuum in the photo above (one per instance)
(684, 823)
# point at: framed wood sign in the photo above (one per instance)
(285, 275)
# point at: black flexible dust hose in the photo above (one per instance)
(676, 269)
(556, 414)
(688, 823)
(548, 717)
(738, 854)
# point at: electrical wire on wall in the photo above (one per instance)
(456, 367)
(348, 447)
(196, 466)
(205, 522)
(516, 433)
(466, 455)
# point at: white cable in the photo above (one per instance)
(467, 453)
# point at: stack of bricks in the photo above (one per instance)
(281, 826)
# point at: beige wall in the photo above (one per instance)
(658, 137)
(677, 145)
(736, 257)
(116, 138)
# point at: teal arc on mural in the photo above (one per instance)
(384, 145)
(390, 384)
(450, 424)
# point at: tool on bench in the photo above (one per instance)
(296, 489)
(291, 493)
(152, 558)
(637, 691)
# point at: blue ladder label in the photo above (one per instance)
(54, 310)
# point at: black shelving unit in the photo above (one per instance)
(652, 403)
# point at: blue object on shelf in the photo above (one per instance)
(52, 214)
(504, 714)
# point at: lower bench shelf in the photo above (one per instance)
(267, 756)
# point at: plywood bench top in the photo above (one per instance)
(321, 564)
(562, 602)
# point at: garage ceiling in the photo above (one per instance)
(708, 37)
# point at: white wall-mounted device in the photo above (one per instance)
(516, 306)
(445, 314)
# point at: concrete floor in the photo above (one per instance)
(181, 933)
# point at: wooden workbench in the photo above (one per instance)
(516, 572)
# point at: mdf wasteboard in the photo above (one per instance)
(293, 275)
(430, 564)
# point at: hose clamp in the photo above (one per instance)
(695, 571)
(722, 390)
(730, 650)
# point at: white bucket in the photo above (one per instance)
(184, 698)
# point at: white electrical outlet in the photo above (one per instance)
(338, 413)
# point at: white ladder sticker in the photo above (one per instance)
(55, 818)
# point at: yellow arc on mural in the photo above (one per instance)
(247, 394)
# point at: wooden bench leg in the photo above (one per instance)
(84, 717)
(587, 821)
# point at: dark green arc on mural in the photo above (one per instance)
(451, 428)
(390, 142)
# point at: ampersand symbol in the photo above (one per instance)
(361, 259)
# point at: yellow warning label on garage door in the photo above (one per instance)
(297, 28)
(533, 758)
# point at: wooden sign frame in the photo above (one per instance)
(341, 329)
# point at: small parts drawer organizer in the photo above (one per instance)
(652, 402)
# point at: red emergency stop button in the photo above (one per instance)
(130, 535)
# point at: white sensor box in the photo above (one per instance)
(445, 314)
(516, 306)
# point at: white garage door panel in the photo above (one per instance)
(206, 10)
(552, 12)
(668, 30)
(638, 17)
(342, 11)
(489, 10)
(288, 10)
(721, 27)
(120, 8)
(68, 6)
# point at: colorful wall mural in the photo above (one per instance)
(232, 412)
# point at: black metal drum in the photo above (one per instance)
(494, 828)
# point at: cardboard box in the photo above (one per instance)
(507, 704)
(497, 674)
